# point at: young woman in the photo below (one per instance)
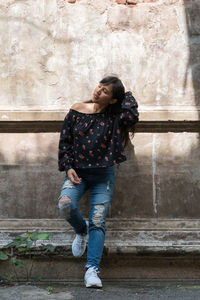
(91, 143)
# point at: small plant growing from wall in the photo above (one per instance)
(23, 245)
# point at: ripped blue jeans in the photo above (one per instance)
(100, 181)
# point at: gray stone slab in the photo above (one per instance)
(132, 290)
(25, 292)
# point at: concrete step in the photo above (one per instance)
(134, 249)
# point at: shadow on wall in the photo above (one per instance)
(192, 12)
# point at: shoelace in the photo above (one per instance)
(81, 239)
(93, 271)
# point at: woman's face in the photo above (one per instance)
(103, 94)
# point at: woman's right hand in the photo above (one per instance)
(73, 177)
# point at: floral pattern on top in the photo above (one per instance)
(93, 140)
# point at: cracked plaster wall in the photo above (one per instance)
(53, 52)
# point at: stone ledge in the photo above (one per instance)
(138, 236)
(55, 126)
(152, 119)
(147, 224)
(147, 113)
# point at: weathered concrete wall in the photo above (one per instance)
(159, 179)
(54, 52)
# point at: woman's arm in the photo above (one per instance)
(129, 114)
(65, 153)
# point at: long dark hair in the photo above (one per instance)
(118, 92)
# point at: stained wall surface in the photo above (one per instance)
(52, 55)
(159, 179)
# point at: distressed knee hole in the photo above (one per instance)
(65, 207)
(98, 214)
(64, 202)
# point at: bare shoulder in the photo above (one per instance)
(82, 107)
(77, 105)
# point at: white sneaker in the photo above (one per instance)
(79, 243)
(91, 278)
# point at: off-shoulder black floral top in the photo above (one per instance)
(93, 140)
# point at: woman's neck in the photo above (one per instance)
(98, 108)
